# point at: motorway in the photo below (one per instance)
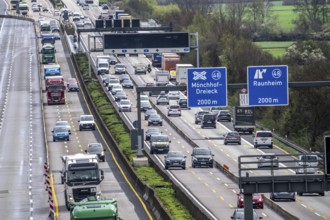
(22, 151)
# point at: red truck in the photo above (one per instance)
(55, 90)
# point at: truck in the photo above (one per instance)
(55, 89)
(156, 60)
(92, 208)
(181, 73)
(244, 119)
(14, 3)
(48, 54)
(162, 77)
(81, 177)
(48, 39)
(23, 8)
(52, 70)
(169, 61)
(102, 66)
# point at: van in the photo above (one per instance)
(307, 164)
(102, 66)
(209, 121)
(263, 138)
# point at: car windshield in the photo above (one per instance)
(145, 104)
(162, 97)
(309, 158)
(127, 81)
(155, 116)
(174, 107)
(103, 65)
(268, 156)
(60, 129)
(202, 151)
(233, 134)
(121, 94)
(61, 123)
(202, 113)
(95, 148)
(113, 81)
(264, 134)
(87, 118)
(153, 130)
(120, 66)
(160, 138)
(174, 154)
(125, 102)
(224, 113)
(151, 111)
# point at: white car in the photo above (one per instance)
(64, 124)
(263, 138)
(116, 88)
(125, 105)
(173, 95)
(174, 110)
(86, 122)
(87, 22)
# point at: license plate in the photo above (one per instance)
(203, 162)
(175, 163)
(160, 149)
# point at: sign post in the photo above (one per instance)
(207, 87)
(268, 85)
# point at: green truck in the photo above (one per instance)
(93, 209)
(48, 53)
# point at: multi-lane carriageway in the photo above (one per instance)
(209, 184)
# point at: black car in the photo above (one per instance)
(155, 120)
(183, 102)
(199, 116)
(127, 83)
(175, 159)
(202, 156)
(224, 115)
(96, 148)
(209, 121)
(119, 96)
(152, 131)
(283, 195)
(149, 112)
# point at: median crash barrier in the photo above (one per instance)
(279, 209)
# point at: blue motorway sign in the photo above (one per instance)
(207, 87)
(268, 85)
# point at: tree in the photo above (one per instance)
(312, 15)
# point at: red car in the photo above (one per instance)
(258, 201)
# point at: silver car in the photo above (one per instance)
(268, 160)
(162, 99)
(125, 105)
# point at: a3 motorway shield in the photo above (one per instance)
(207, 87)
(268, 85)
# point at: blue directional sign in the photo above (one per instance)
(268, 85)
(207, 87)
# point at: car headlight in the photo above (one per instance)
(71, 198)
(194, 159)
(167, 161)
(102, 153)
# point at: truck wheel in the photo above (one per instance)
(300, 194)
(271, 146)
(225, 143)
(166, 167)
(151, 151)
(54, 140)
(239, 143)
(193, 165)
(80, 128)
(321, 194)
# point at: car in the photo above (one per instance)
(111, 82)
(64, 124)
(60, 133)
(70, 80)
(159, 143)
(199, 116)
(174, 110)
(209, 120)
(120, 68)
(127, 83)
(215, 109)
(73, 87)
(85, 7)
(232, 137)
(175, 159)
(145, 105)
(144, 98)
(149, 112)
(257, 199)
(263, 138)
(119, 96)
(45, 9)
(201, 156)
(97, 149)
(56, 33)
(87, 22)
(79, 23)
(307, 164)
(35, 8)
(152, 131)
(173, 95)
(155, 120)
(162, 99)
(123, 77)
(224, 115)
(140, 68)
(183, 103)
(105, 7)
(239, 215)
(112, 60)
(116, 88)
(86, 122)
(125, 105)
(283, 196)
(267, 160)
